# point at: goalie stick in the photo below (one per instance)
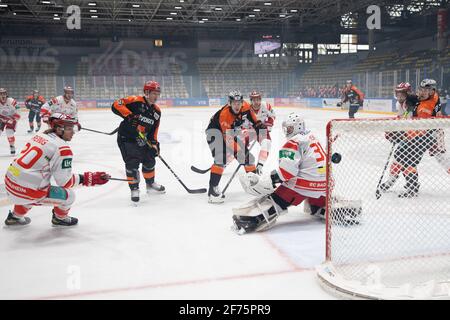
(236, 171)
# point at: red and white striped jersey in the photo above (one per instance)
(59, 105)
(44, 156)
(9, 109)
(302, 165)
(265, 114)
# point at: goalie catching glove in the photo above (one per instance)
(256, 185)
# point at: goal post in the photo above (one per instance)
(388, 209)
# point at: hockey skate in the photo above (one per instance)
(318, 212)
(412, 187)
(12, 149)
(215, 195)
(386, 186)
(38, 128)
(155, 188)
(63, 222)
(409, 193)
(135, 196)
(30, 130)
(13, 220)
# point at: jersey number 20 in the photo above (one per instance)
(30, 156)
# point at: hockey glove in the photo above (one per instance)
(394, 137)
(90, 179)
(259, 169)
(133, 119)
(10, 122)
(259, 125)
(275, 178)
(154, 150)
(237, 123)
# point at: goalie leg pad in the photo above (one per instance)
(258, 215)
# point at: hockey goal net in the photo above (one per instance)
(388, 209)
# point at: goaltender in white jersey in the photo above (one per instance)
(301, 174)
(61, 104)
(301, 177)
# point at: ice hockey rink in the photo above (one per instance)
(172, 246)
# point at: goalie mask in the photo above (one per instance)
(293, 125)
(255, 185)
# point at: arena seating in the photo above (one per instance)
(26, 74)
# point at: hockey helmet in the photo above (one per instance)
(152, 86)
(67, 89)
(61, 120)
(255, 94)
(235, 95)
(428, 83)
(403, 87)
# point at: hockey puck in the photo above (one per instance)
(336, 157)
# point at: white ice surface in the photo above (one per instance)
(173, 246)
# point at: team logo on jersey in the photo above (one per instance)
(287, 154)
(67, 163)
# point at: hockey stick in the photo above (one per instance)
(108, 134)
(236, 171)
(378, 192)
(116, 179)
(194, 191)
(200, 170)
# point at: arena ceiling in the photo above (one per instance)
(167, 15)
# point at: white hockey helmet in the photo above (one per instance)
(293, 125)
(428, 83)
(61, 120)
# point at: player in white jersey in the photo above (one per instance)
(266, 115)
(47, 155)
(301, 172)
(61, 104)
(9, 115)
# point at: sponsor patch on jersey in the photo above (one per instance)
(287, 154)
(156, 116)
(67, 163)
(14, 171)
